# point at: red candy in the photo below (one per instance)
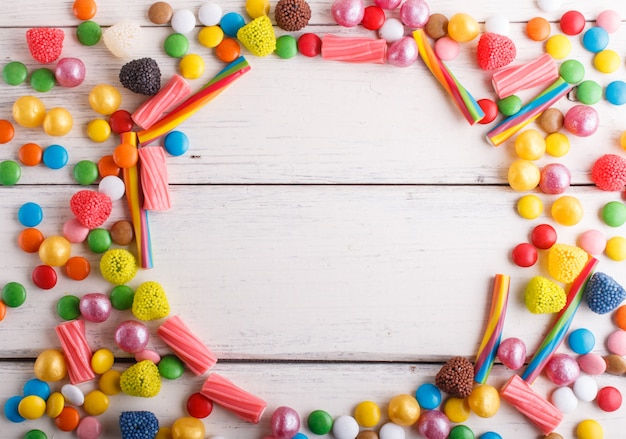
(121, 122)
(572, 23)
(609, 172)
(91, 208)
(495, 51)
(490, 108)
(543, 236)
(609, 399)
(524, 255)
(45, 44)
(373, 18)
(310, 45)
(199, 406)
(44, 277)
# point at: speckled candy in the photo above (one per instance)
(603, 294)
(512, 353)
(562, 369)
(95, 307)
(91, 208)
(581, 120)
(554, 178)
(285, 423)
(433, 424)
(132, 336)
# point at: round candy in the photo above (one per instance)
(210, 36)
(68, 307)
(402, 52)
(84, 9)
(320, 422)
(148, 354)
(68, 419)
(523, 175)
(614, 213)
(55, 157)
(538, 29)
(74, 231)
(14, 73)
(57, 122)
(99, 240)
(615, 93)
(489, 107)
(32, 407)
(457, 409)
(107, 166)
(616, 342)
(89, 33)
(188, 428)
(95, 307)
(30, 154)
(35, 434)
(121, 121)
(572, 71)
(29, 111)
(13, 294)
(609, 399)
(512, 353)
(447, 49)
(490, 435)
(436, 26)
(104, 99)
(310, 44)
(231, 23)
(98, 130)
(345, 427)
(484, 400)
(30, 214)
(11, 411)
(132, 336)
(616, 248)
(428, 396)
(581, 341)
(567, 210)
(463, 27)
(592, 363)
(96, 403)
(609, 20)
(10, 173)
(30, 239)
(461, 432)
(589, 92)
(530, 206)
(549, 5)
(38, 387)
(433, 424)
(564, 399)
(210, 14)
(557, 144)
(176, 45)
(284, 423)
(349, 13)
(70, 72)
(585, 388)
(85, 172)
(589, 429)
(113, 187)
(7, 131)
(595, 39)
(558, 46)
(414, 13)
(607, 61)
(498, 24)
(171, 367)
(572, 23)
(403, 410)
(176, 143)
(581, 120)
(530, 145)
(191, 66)
(367, 413)
(102, 360)
(228, 50)
(110, 382)
(562, 369)
(286, 46)
(619, 317)
(125, 155)
(160, 12)
(55, 251)
(373, 17)
(42, 80)
(89, 428)
(199, 406)
(543, 236)
(122, 232)
(555, 178)
(183, 21)
(524, 255)
(509, 105)
(391, 30)
(77, 268)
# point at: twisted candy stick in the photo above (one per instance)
(154, 179)
(225, 393)
(491, 339)
(540, 71)
(76, 350)
(171, 94)
(354, 49)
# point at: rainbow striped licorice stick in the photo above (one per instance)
(196, 101)
(561, 324)
(493, 333)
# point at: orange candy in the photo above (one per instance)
(77, 268)
(107, 166)
(125, 155)
(84, 9)
(228, 50)
(538, 29)
(30, 239)
(619, 317)
(30, 154)
(6, 131)
(3, 310)
(68, 419)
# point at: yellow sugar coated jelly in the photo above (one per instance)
(523, 175)
(557, 144)
(403, 410)
(530, 207)
(98, 130)
(210, 36)
(367, 414)
(457, 409)
(29, 111)
(567, 210)
(530, 145)
(484, 400)
(191, 66)
(607, 61)
(616, 248)
(558, 46)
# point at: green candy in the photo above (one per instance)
(42, 80)
(99, 240)
(14, 73)
(176, 45)
(35, 434)
(85, 172)
(171, 367)
(589, 92)
(286, 47)
(572, 71)
(614, 213)
(10, 172)
(320, 422)
(68, 307)
(88, 33)
(14, 294)
(509, 105)
(461, 432)
(122, 297)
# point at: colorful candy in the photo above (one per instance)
(512, 79)
(186, 345)
(353, 49)
(225, 393)
(76, 349)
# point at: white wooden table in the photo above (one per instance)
(335, 227)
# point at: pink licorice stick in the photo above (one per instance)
(172, 93)
(186, 345)
(154, 180)
(76, 350)
(537, 409)
(491, 339)
(510, 80)
(354, 49)
(222, 391)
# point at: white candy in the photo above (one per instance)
(498, 24)
(112, 186)
(73, 394)
(183, 21)
(210, 14)
(586, 388)
(391, 431)
(564, 399)
(549, 5)
(345, 427)
(391, 30)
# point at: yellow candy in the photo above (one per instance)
(98, 130)
(211, 36)
(96, 403)
(530, 206)
(32, 407)
(530, 145)
(565, 262)
(589, 429)
(55, 404)
(457, 409)
(367, 414)
(58, 122)
(622, 140)
(102, 360)
(523, 175)
(567, 210)
(256, 8)
(557, 144)
(607, 61)
(29, 111)
(110, 382)
(616, 248)
(164, 433)
(55, 251)
(403, 410)
(463, 28)
(188, 428)
(191, 66)
(105, 99)
(50, 366)
(558, 46)
(484, 400)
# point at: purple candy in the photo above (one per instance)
(512, 353)
(414, 13)
(562, 369)
(95, 307)
(132, 336)
(581, 120)
(433, 424)
(70, 72)
(348, 13)
(285, 423)
(554, 178)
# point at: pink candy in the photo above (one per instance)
(554, 178)
(592, 364)
(581, 120)
(414, 13)
(512, 353)
(616, 342)
(433, 424)
(285, 423)
(70, 72)
(132, 336)
(348, 13)
(95, 307)
(562, 369)
(402, 52)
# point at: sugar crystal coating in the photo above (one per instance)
(150, 302)
(141, 76)
(138, 425)
(292, 15)
(141, 379)
(609, 172)
(456, 377)
(565, 262)
(544, 296)
(258, 36)
(45, 44)
(91, 208)
(603, 294)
